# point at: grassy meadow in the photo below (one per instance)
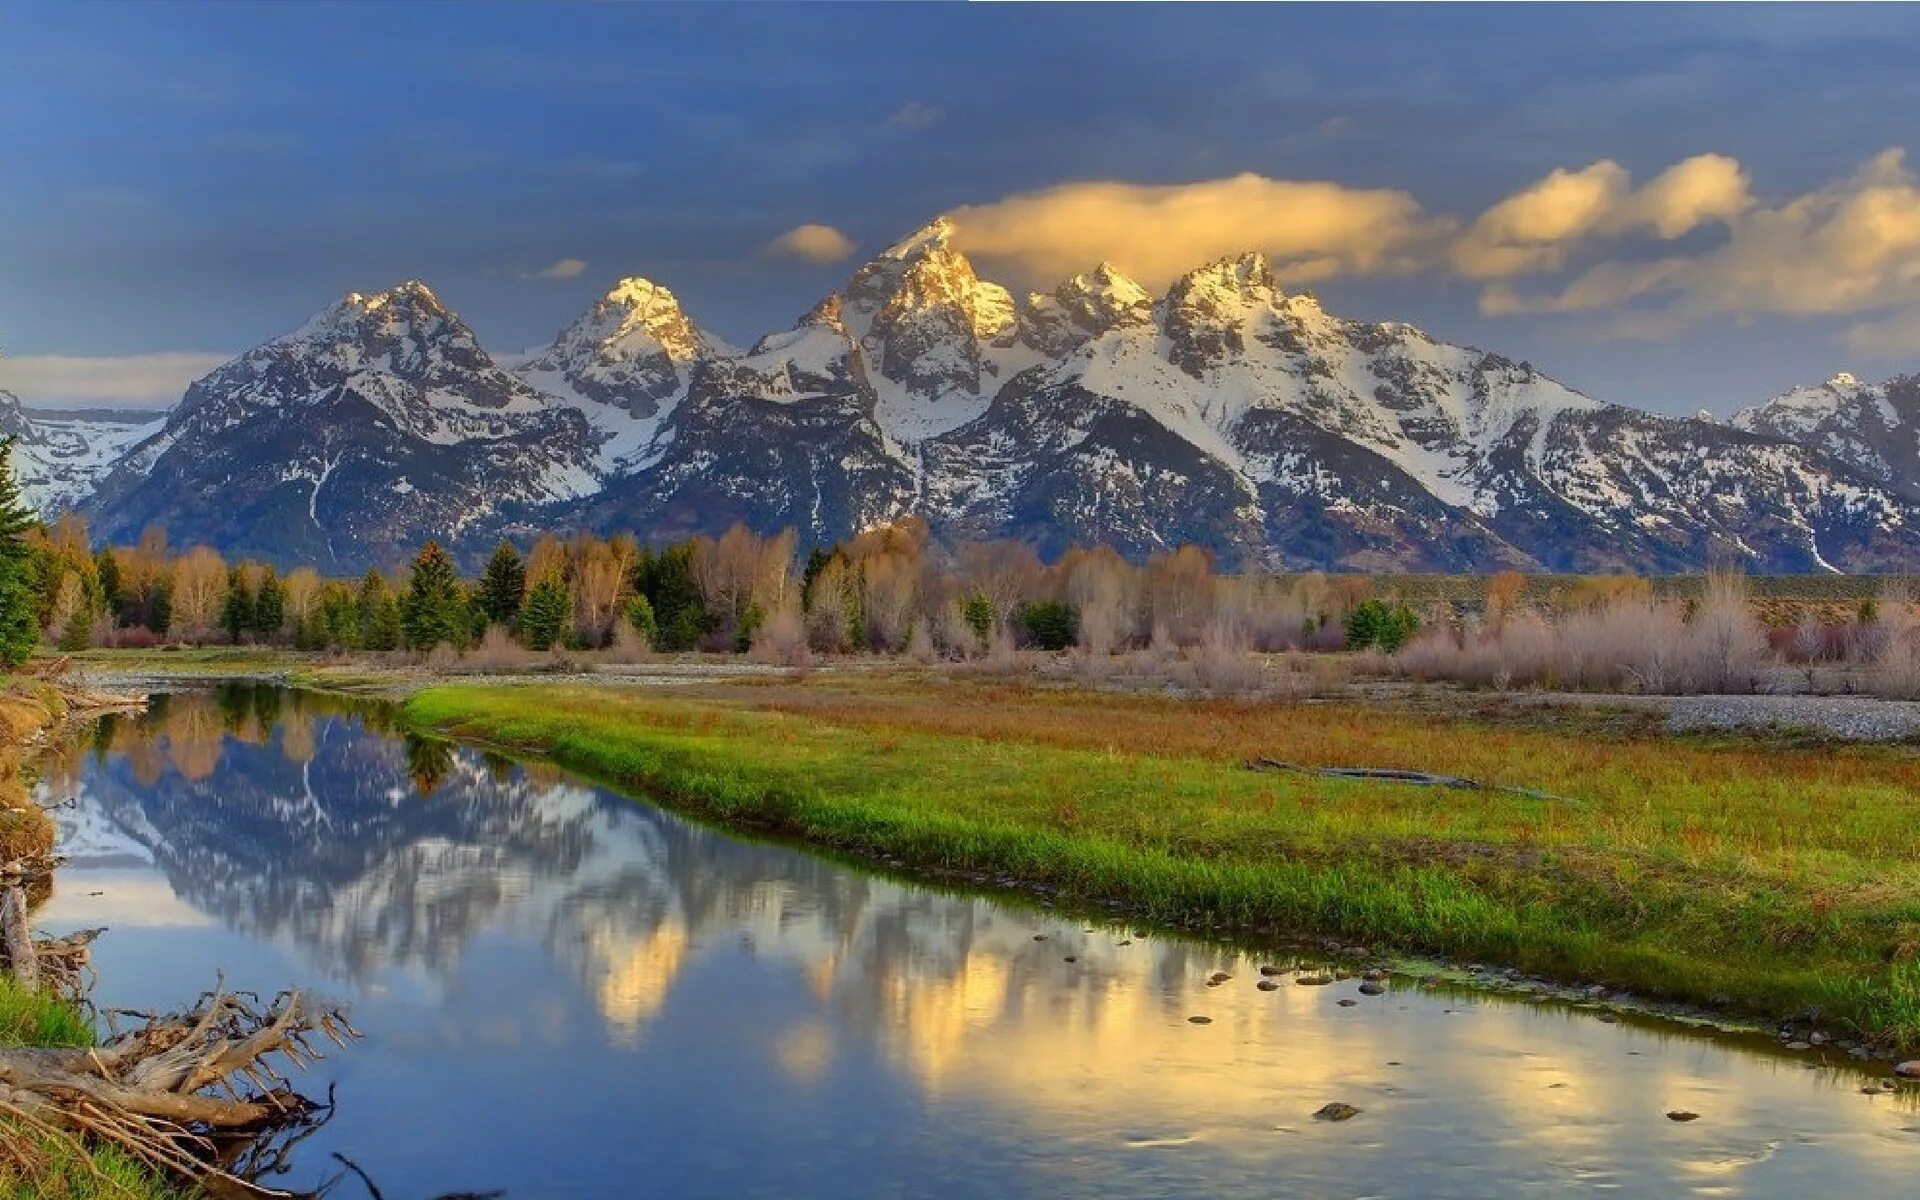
(1772, 880)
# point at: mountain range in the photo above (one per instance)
(1225, 412)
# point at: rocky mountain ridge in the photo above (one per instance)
(1225, 411)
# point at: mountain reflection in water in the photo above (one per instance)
(568, 993)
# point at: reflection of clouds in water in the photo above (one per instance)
(316, 838)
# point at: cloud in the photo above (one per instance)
(133, 380)
(566, 268)
(915, 115)
(1312, 230)
(1536, 228)
(811, 243)
(1895, 336)
(1849, 247)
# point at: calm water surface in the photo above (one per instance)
(572, 994)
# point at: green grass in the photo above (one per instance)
(1767, 881)
(66, 1173)
(39, 1019)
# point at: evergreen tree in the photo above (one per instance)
(546, 614)
(640, 616)
(19, 626)
(434, 609)
(236, 615)
(107, 568)
(666, 580)
(270, 606)
(335, 621)
(377, 613)
(503, 585)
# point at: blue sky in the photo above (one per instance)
(192, 179)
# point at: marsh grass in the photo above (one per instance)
(1771, 880)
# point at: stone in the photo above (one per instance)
(1908, 1070)
(1200, 1020)
(1373, 989)
(1267, 985)
(1314, 980)
(1272, 970)
(1346, 1002)
(1681, 1114)
(1336, 1111)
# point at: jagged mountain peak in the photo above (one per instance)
(1247, 278)
(936, 234)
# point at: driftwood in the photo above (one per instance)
(1416, 778)
(16, 939)
(174, 1090)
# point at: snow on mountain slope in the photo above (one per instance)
(1874, 428)
(377, 424)
(60, 458)
(1224, 412)
(625, 365)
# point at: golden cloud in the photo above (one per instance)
(1852, 246)
(811, 243)
(1535, 228)
(1312, 230)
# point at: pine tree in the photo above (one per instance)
(19, 626)
(640, 616)
(236, 615)
(434, 609)
(270, 606)
(107, 567)
(547, 612)
(503, 586)
(378, 613)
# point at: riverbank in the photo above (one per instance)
(1776, 881)
(58, 1170)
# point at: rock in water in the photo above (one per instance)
(1336, 1111)
(1681, 1114)
(1908, 1070)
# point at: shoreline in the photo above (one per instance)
(1229, 898)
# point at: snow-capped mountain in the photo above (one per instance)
(1872, 427)
(376, 424)
(1225, 412)
(61, 457)
(625, 365)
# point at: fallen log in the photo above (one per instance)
(1415, 778)
(173, 1089)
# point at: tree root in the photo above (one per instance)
(187, 1094)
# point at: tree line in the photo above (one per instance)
(892, 589)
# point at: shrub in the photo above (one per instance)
(1371, 624)
(1049, 624)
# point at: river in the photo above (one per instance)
(569, 993)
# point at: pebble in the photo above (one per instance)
(1374, 976)
(1681, 1114)
(1272, 970)
(1039, 937)
(1314, 980)
(1373, 989)
(1200, 1020)
(1267, 985)
(1346, 1002)
(1218, 977)
(1855, 718)
(1071, 958)
(1908, 1070)
(1336, 1111)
